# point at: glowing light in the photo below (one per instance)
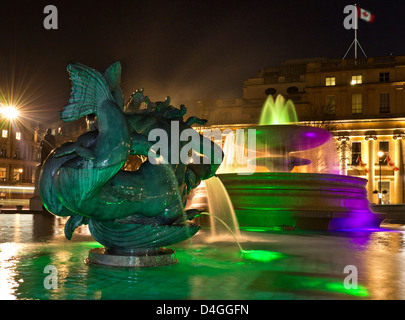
(261, 255)
(279, 111)
(380, 154)
(18, 188)
(9, 111)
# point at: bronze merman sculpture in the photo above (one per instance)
(131, 213)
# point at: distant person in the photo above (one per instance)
(47, 145)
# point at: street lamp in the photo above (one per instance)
(9, 111)
(380, 155)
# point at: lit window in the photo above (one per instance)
(357, 79)
(356, 153)
(18, 135)
(357, 107)
(330, 81)
(4, 133)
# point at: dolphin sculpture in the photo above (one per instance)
(126, 210)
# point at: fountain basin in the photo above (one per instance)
(281, 163)
(289, 137)
(301, 200)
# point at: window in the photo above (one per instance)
(384, 77)
(384, 146)
(3, 152)
(330, 81)
(385, 191)
(18, 135)
(4, 133)
(17, 174)
(384, 102)
(357, 107)
(3, 174)
(357, 79)
(17, 154)
(356, 153)
(330, 105)
(270, 91)
(292, 90)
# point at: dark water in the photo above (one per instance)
(279, 265)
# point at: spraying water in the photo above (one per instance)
(278, 112)
(256, 255)
(221, 206)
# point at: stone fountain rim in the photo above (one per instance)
(305, 175)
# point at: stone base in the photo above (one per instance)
(36, 203)
(162, 257)
(307, 201)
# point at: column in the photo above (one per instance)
(343, 157)
(398, 194)
(370, 166)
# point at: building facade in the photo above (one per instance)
(19, 158)
(361, 101)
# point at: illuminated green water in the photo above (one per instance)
(278, 111)
(274, 265)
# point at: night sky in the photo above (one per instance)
(187, 50)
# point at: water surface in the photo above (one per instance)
(278, 265)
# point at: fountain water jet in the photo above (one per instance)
(278, 111)
(256, 255)
(220, 207)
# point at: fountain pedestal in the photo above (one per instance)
(302, 200)
(154, 258)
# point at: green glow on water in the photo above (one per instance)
(92, 244)
(261, 255)
(197, 275)
(255, 229)
(205, 270)
(338, 287)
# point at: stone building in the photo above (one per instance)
(19, 158)
(361, 101)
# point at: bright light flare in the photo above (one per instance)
(10, 112)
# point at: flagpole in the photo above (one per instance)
(355, 44)
(355, 41)
(355, 33)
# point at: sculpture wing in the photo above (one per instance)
(89, 89)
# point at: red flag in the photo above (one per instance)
(392, 164)
(365, 15)
(362, 164)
